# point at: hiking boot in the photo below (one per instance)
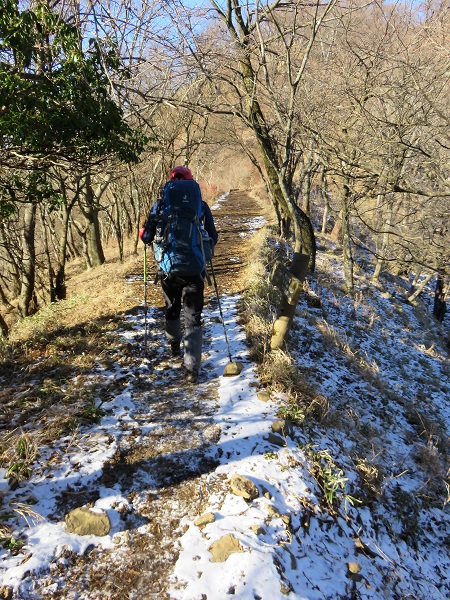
(191, 376)
(176, 348)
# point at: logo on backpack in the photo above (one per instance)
(181, 245)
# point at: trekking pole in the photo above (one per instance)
(145, 299)
(233, 367)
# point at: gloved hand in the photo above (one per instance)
(141, 233)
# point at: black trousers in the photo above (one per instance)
(185, 292)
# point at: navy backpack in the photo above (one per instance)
(181, 245)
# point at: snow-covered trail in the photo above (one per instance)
(141, 461)
(161, 464)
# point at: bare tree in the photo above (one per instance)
(249, 62)
(377, 111)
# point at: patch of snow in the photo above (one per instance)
(219, 201)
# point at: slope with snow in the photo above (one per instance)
(164, 453)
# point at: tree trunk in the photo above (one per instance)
(326, 197)
(27, 298)
(346, 240)
(324, 219)
(90, 209)
(304, 240)
(385, 241)
(4, 330)
(60, 290)
(306, 179)
(48, 254)
(440, 298)
(336, 232)
(286, 311)
(118, 228)
(418, 291)
(73, 250)
(306, 194)
(60, 279)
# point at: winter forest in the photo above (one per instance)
(319, 134)
(341, 106)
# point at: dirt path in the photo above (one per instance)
(236, 216)
(161, 428)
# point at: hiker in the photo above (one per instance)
(181, 227)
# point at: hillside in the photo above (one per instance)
(209, 494)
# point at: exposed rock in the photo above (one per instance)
(353, 571)
(286, 519)
(354, 567)
(273, 512)
(286, 589)
(257, 530)
(283, 427)
(276, 440)
(223, 548)
(6, 592)
(84, 521)
(263, 396)
(364, 548)
(241, 486)
(204, 519)
(233, 368)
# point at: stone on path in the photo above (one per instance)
(223, 548)
(204, 519)
(233, 368)
(276, 440)
(84, 521)
(6, 592)
(241, 486)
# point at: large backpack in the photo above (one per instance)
(181, 245)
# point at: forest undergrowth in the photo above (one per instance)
(306, 403)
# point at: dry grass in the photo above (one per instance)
(48, 356)
(278, 370)
(371, 479)
(18, 452)
(47, 361)
(95, 294)
(429, 429)
(338, 339)
(260, 298)
(318, 409)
